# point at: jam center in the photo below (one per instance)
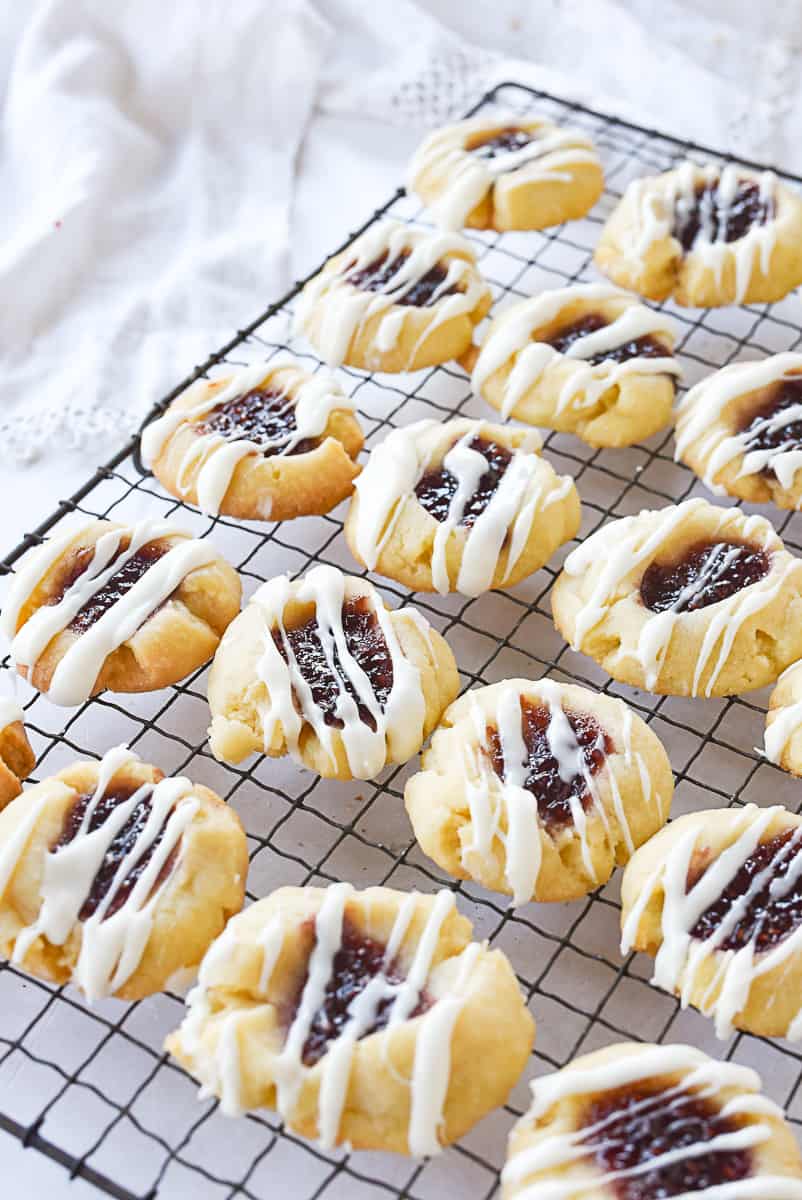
(628, 1127)
(378, 275)
(642, 347)
(114, 589)
(366, 644)
(122, 844)
(557, 762)
(764, 432)
(358, 960)
(505, 141)
(261, 416)
(773, 911)
(436, 489)
(706, 574)
(713, 217)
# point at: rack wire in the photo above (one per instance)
(91, 1087)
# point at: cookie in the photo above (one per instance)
(716, 899)
(319, 668)
(396, 299)
(115, 878)
(506, 174)
(689, 600)
(588, 360)
(783, 737)
(17, 759)
(131, 608)
(705, 235)
(637, 1121)
(740, 431)
(268, 443)
(538, 789)
(466, 506)
(364, 1018)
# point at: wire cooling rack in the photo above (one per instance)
(91, 1087)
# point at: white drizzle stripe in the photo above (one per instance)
(290, 703)
(112, 946)
(510, 337)
(10, 713)
(680, 956)
(468, 178)
(314, 398)
(81, 663)
(526, 490)
(348, 308)
(705, 405)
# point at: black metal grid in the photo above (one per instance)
(92, 1088)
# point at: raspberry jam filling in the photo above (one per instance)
(358, 960)
(556, 770)
(327, 681)
(505, 141)
(772, 912)
(436, 489)
(627, 1128)
(714, 218)
(378, 275)
(763, 433)
(122, 844)
(707, 573)
(114, 589)
(262, 416)
(642, 347)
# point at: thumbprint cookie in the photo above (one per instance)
(364, 1018)
(783, 737)
(689, 600)
(537, 790)
(638, 1121)
(588, 360)
(115, 878)
(17, 759)
(705, 235)
(740, 431)
(396, 299)
(463, 506)
(268, 443)
(716, 899)
(506, 174)
(319, 668)
(131, 608)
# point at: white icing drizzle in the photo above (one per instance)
(680, 957)
(704, 406)
(348, 308)
(396, 467)
(213, 458)
(81, 663)
(111, 946)
(785, 720)
(510, 336)
(468, 177)
(10, 712)
(290, 703)
(656, 201)
(554, 1153)
(611, 554)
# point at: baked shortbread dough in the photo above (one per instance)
(637, 1121)
(538, 789)
(464, 506)
(740, 430)
(268, 443)
(17, 759)
(589, 360)
(705, 235)
(688, 600)
(364, 1018)
(131, 608)
(783, 737)
(115, 878)
(319, 668)
(506, 174)
(396, 299)
(716, 899)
